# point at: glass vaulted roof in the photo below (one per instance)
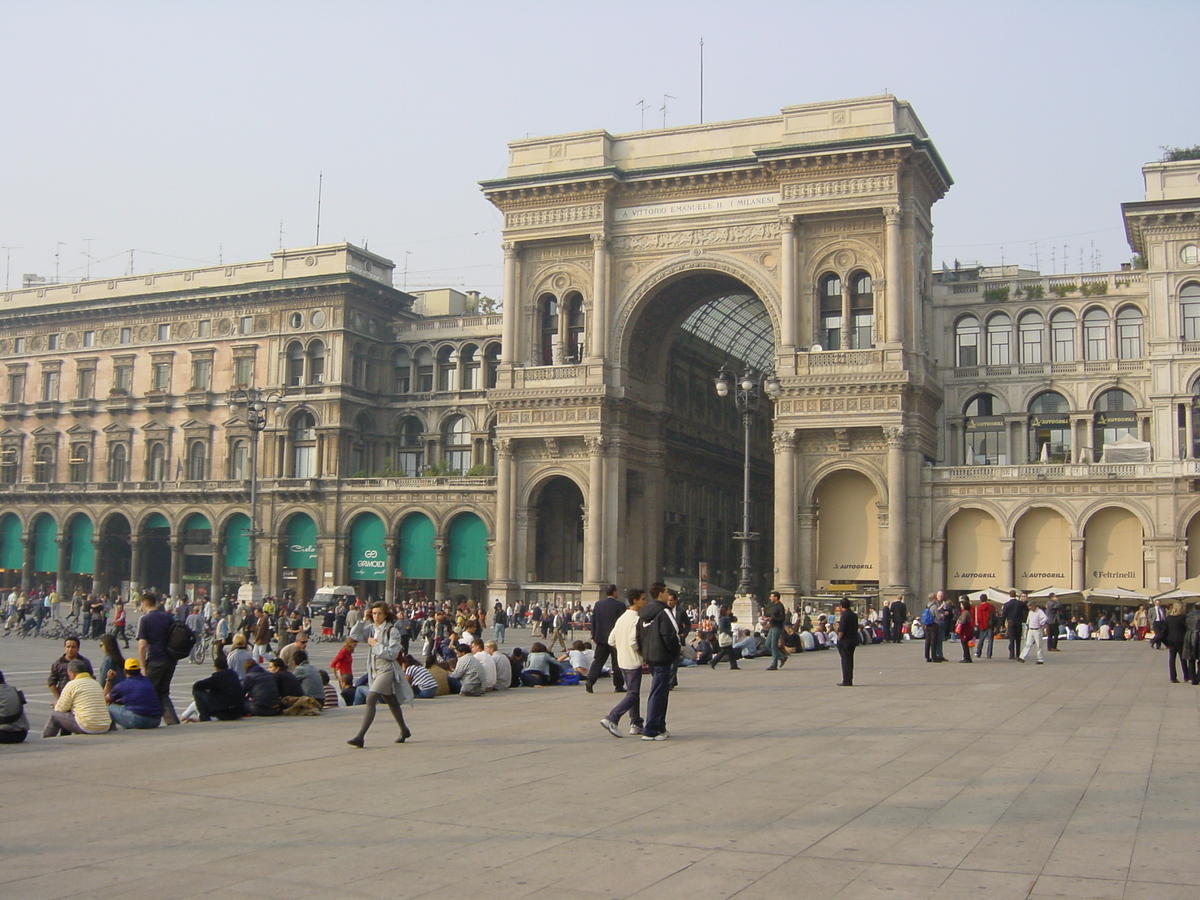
(739, 325)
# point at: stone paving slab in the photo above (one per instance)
(923, 781)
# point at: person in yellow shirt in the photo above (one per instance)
(80, 708)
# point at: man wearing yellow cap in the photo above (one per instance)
(133, 703)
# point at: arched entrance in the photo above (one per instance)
(973, 557)
(80, 555)
(467, 562)
(300, 555)
(558, 551)
(12, 550)
(197, 555)
(44, 555)
(1113, 555)
(367, 565)
(1041, 550)
(116, 554)
(156, 553)
(847, 533)
(235, 547)
(416, 559)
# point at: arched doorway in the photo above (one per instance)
(847, 533)
(367, 564)
(116, 552)
(197, 556)
(416, 559)
(12, 550)
(235, 547)
(466, 557)
(1113, 557)
(300, 555)
(558, 550)
(1041, 550)
(156, 553)
(973, 557)
(44, 555)
(81, 555)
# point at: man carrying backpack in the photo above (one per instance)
(658, 642)
(153, 637)
(933, 634)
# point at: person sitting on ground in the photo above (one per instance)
(14, 725)
(467, 677)
(286, 683)
(536, 672)
(504, 673)
(133, 703)
(59, 676)
(220, 696)
(80, 708)
(485, 663)
(288, 653)
(1082, 630)
(791, 640)
(306, 673)
(579, 658)
(237, 654)
(424, 684)
(332, 700)
(702, 647)
(746, 646)
(262, 696)
(346, 689)
(112, 664)
(518, 658)
(807, 641)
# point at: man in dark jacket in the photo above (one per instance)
(899, 619)
(604, 615)
(1014, 612)
(658, 642)
(847, 632)
(220, 696)
(777, 616)
(262, 697)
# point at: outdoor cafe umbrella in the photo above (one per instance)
(1184, 590)
(1116, 593)
(1061, 592)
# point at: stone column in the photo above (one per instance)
(135, 564)
(845, 330)
(939, 566)
(1189, 425)
(510, 306)
(502, 557)
(1007, 574)
(806, 522)
(785, 513)
(389, 570)
(787, 284)
(597, 328)
(593, 531)
(27, 539)
(655, 488)
(63, 562)
(176, 577)
(1078, 572)
(217, 576)
(100, 566)
(893, 292)
(440, 546)
(897, 509)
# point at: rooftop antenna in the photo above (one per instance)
(220, 254)
(88, 254)
(8, 263)
(57, 245)
(281, 234)
(130, 272)
(701, 81)
(320, 184)
(1001, 254)
(407, 254)
(1037, 259)
(643, 105)
(1053, 261)
(663, 109)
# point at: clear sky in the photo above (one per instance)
(193, 132)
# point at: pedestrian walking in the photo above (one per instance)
(385, 677)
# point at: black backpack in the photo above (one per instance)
(180, 640)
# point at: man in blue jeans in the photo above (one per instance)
(778, 618)
(658, 642)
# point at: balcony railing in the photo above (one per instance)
(1171, 468)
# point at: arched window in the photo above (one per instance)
(966, 342)
(295, 364)
(358, 366)
(1095, 334)
(469, 360)
(411, 457)
(457, 445)
(862, 312)
(239, 460)
(1049, 428)
(999, 340)
(316, 362)
(829, 334)
(548, 313)
(362, 446)
(1129, 333)
(197, 461)
(10, 465)
(1116, 417)
(984, 439)
(424, 363)
(304, 445)
(43, 465)
(491, 359)
(156, 462)
(447, 363)
(574, 328)
(401, 372)
(1062, 336)
(118, 463)
(80, 464)
(1189, 306)
(1033, 332)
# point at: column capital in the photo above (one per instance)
(788, 221)
(892, 215)
(895, 437)
(511, 249)
(599, 240)
(440, 545)
(504, 448)
(784, 441)
(597, 444)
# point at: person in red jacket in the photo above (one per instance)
(984, 632)
(965, 629)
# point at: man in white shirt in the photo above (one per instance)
(488, 664)
(623, 639)
(1035, 627)
(503, 666)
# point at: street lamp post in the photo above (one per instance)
(748, 394)
(256, 404)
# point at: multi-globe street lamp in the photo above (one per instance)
(748, 394)
(256, 403)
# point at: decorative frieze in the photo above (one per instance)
(557, 215)
(549, 416)
(701, 237)
(842, 187)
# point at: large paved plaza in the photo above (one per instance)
(995, 779)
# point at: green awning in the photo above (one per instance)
(83, 551)
(300, 542)
(45, 547)
(237, 541)
(368, 557)
(12, 551)
(417, 558)
(156, 521)
(467, 560)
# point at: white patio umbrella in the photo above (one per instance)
(1116, 593)
(1060, 591)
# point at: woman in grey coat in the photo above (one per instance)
(386, 679)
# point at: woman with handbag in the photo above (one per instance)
(385, 676)
(965, 629)
(725, 648)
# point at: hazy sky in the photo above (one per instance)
(189, 132)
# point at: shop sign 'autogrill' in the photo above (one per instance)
(694, 207)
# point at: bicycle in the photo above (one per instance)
(202, 649)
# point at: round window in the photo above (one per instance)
(296, 319)
(318, 317)
(1190, 254)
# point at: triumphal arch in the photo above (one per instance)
(636, 266)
